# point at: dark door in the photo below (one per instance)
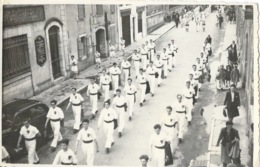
(126, 29)
(101, 42)
(133, 28)
(54, 47)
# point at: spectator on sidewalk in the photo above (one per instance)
(220, 77)
(122, 43)
(177, 19)
(220, 20)
(112, 52)
(228, 76)
(74, 66)
(234, 75)
(98, 59)
(232, 103)
(227, 137)
(136, 59)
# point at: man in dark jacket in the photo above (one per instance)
(227, 136)
(177, 19)
(233, 47)
(208, 39)
(232, 103)
(220, 20)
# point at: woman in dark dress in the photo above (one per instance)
(227, 76)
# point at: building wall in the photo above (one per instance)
(28, 84)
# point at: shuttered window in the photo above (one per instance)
(112, 9)
(15, 57)
(81, 12)
(83, 46)
(99, 9)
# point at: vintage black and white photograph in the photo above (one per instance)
(114, 84)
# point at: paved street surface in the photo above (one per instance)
(134, 141)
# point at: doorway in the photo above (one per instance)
(54, 48)
(126, 31)
(101, 42)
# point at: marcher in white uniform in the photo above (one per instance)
(136, 59)
(188, 94)
(5, 156)
(65, 156)
(147, 46)
(144, 160)
(165, 58)
(194, 84)
(196, 75)
(130, 94)
(150, 72)
(114, 74)
(170, 56)
(122, 43)
(104, 84)
(98, 59)
(156, 146)
(74, 66)
(119, 104)
(180, 112)
(175, 50)
(144, 53)
(168, 123)
(88, 138)
(107, 117)
(29, 133)
(92, 92)
(55, 116)
(126, 67)
(112, 52)
(152, 50)
(159, 66)
(141, 80)
(76, 100)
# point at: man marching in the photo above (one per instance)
(141, 79)
(119, 103)
(194, 85)
(136, 59)
(126, 67)
(170, 56)
(151, 48)
(55, 116)
(196, 76)
(104, 84)
(107, 117)
(92, 92)
(88, 138)
(175, 50)
(150, 72)
(76, 100)
(188, 94)
(112, 52)
(114, 74)
(130, 94)
(144, 54)
(29, 133)
(159, 66)
(165, 59)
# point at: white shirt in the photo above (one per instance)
(86, 135)
(130, 89)
(141, 78)
(200, 65)
(169, 50)
(65, 157)
(144, 50)
(179, 106)
(158, 63)
(125, 64)
(93, 89)
(151, 46)
(122, 42)
(168, 119)
(136, 57)
(164, 56)
(97, 55)
(30, 132)
(107, 115)
(196, 74)
(74, 62)
(115, 71)
(158, 140)
(76, 99)
(188, 92)
(193, 83)
(174, 47)
(150, 70)
(55, 113)
(105, 79)
(119, 101)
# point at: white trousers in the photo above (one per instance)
(130, 104)
(121, 118)
(126, 73)
(109, 132)
(151, 80)
(171, 134)
(152, 54)
(142, 92)
(56, 132)
(32, 154)
(170, 62)
(77, 115)
(137, 67)
(165, 67)
(159, 157)
(189, 108)
(106, 92)
(144, 61)
(115, 80)
(182, 124)
(174, 58)
(88, 152)
(93, 101)
(159, 79)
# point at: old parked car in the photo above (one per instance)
(13, 116)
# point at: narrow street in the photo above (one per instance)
(134, 141)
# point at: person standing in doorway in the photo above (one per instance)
(98, 59)
(112, 52)
(122, 43)
(74, 66)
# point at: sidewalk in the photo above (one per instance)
(62, 91)
(218, 120)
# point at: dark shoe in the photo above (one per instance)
(180, 141)
(37, 162)
(130, 118)
(159, 85)
(172, 66)
(107, 150)
(53, 149)
(112, 143)
(152, 95)
(119, 134)
(141, 104)
(189, 123)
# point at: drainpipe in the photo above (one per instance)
(106, 29)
